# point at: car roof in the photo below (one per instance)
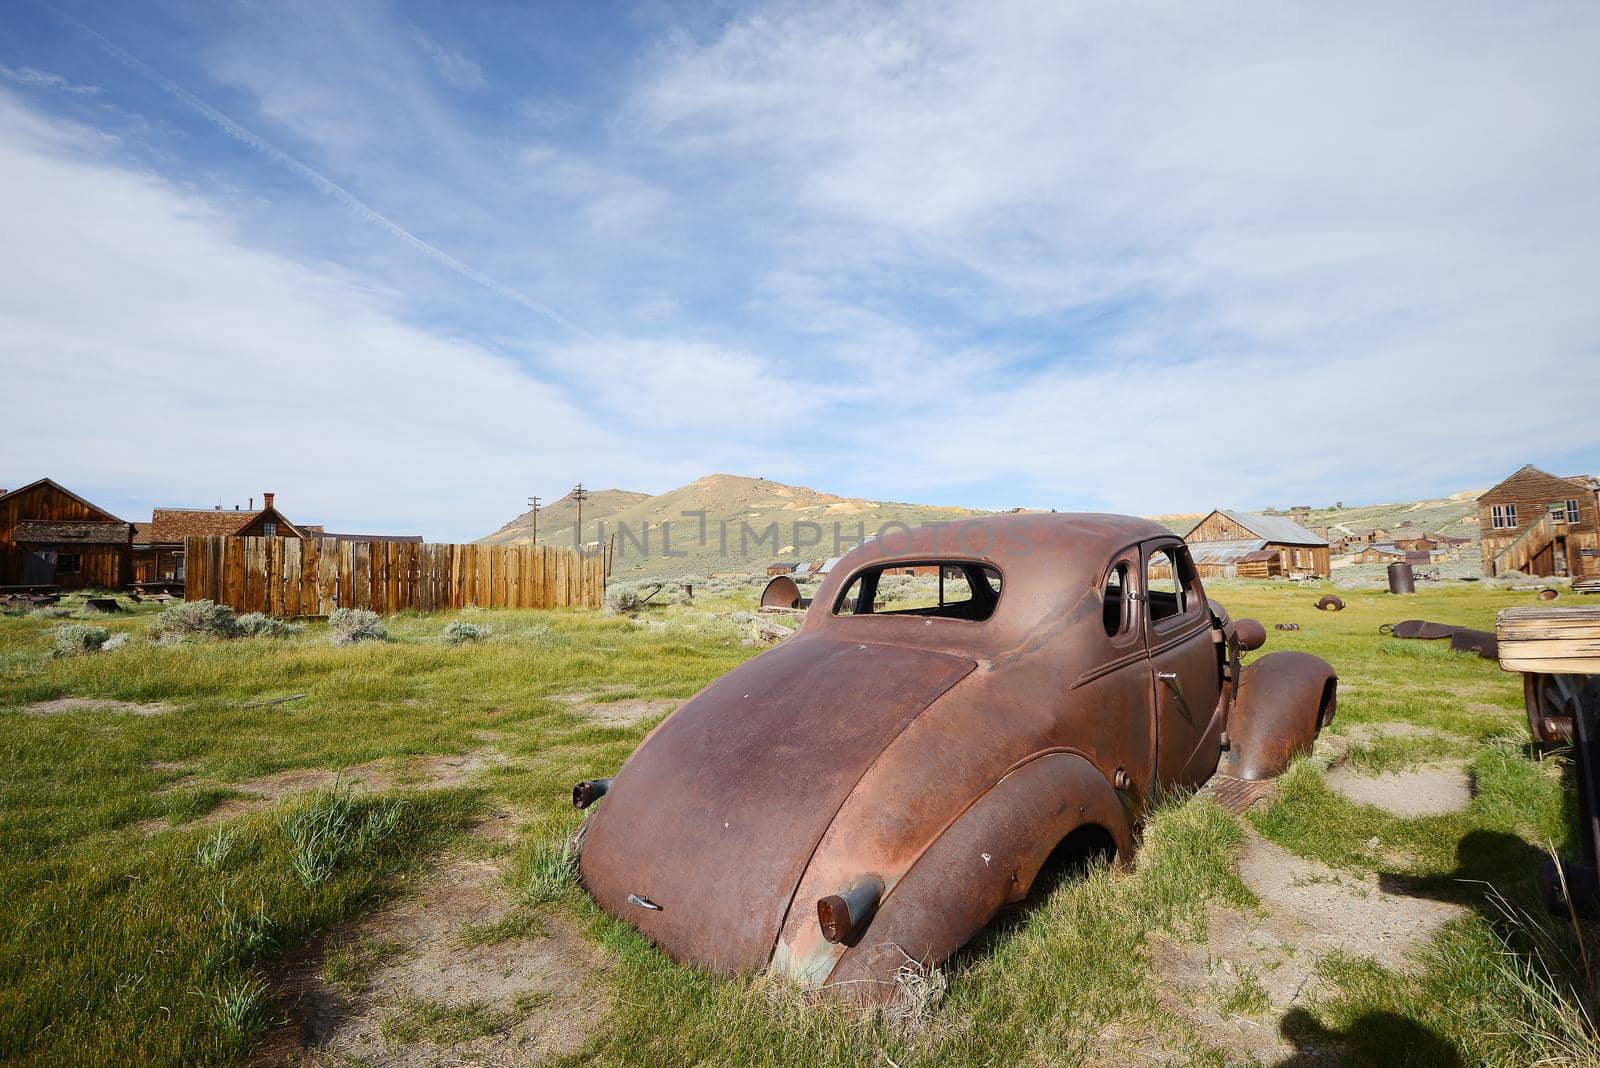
(1047, 562)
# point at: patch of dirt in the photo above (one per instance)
(1308, 911)
(1366, 733)
(623, 713)
(540, 988)
(420, 773)
(93, 704)
(1432, 789)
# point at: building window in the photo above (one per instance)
(1558, 513)
(270, 529)
(1499, 517)
(1572, 511)
(69, 563)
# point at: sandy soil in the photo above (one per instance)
(539, 990)
(93, 704)
(1307, 911)
(621, 713)
(1430, 790)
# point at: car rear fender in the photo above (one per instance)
(1285, 699)
(988, 857)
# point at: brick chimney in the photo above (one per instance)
(266, 501)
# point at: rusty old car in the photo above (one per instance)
(873, 789)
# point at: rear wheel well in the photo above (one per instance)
(1325, 706)
(1081, 849)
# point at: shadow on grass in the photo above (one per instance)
(1376, 1038)
(1486, 862)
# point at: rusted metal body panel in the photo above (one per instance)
(882, 754)
(1264, 739)
(776, 746)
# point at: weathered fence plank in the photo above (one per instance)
(304, 577)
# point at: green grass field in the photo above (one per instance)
(135, 928)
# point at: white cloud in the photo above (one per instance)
(1341, 246)
(41, 79)
(150, 358)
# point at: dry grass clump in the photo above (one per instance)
(351, 625)
(459, 632)
(260, 625)
(75, 639)
(197, 619)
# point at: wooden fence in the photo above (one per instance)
(313, 576)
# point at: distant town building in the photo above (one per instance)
(1541, 524)
(1225, 539)
(50, 536)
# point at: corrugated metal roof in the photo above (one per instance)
(1222, 553)
(1274, 528)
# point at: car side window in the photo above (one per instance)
(1162, 587)
(1116, 604)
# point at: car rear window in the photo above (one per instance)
(941, 589)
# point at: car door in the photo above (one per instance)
(1115, 724)
(1184, 675)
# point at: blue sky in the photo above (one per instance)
(406, 264)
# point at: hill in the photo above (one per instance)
(1456, 514)
(741, 513)
(557, 517)
(748, 523)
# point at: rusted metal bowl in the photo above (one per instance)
(1549, 594)
(1330, 603)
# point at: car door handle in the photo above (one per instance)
(1167, 676)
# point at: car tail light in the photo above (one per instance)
(844, 916)
(589, 791)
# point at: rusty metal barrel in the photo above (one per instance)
(1401, 579)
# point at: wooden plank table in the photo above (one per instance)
(1544, 640)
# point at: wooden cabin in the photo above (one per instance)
(1541, 524)
(50, 536)
(1300, 553)
(158, 544)
(1414, 542)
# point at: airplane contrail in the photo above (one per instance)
(327, 185)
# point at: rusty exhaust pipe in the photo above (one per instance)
(589, 791)
(844, 916)
(1251, 634)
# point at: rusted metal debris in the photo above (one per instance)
(1286, 626)
(1482, 642)
(781, 592)
(1462, 639)
(1330, 603)
(1549, 594)
(1417, 628)
(876, 786)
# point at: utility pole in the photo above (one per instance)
(533, 511)
(580, 495)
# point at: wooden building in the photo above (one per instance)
(1385, 553)
(1225, 538)
(158, 544)
(1413, 542)
(50, 536)
(1541, 524)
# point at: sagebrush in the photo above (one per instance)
(351, 625)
